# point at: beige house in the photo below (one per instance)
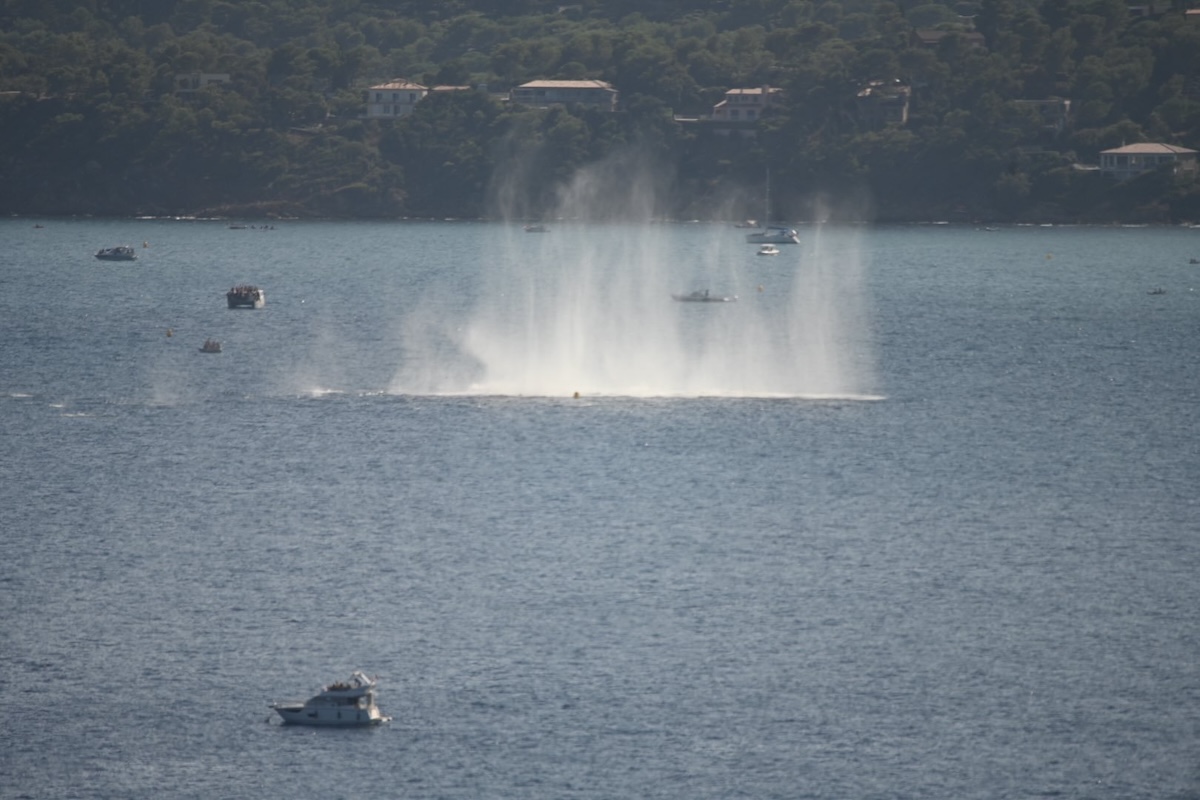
(394, 99)
(543, 94)
(738, 112)
(1134, 159)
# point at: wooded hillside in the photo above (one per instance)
(93, 122)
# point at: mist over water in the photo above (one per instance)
(586, 308)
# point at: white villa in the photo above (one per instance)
(746, 105)
(394, 99)
(542, 94)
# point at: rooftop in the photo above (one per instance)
(397, 84)
(566, 85)
(1149, 148)
(756, 90)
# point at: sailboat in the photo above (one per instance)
(772, 234)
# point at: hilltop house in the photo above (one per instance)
(394, 99)
(543, 94)
(186, 82)
(746, 105)
(1134, 159)
(883, 103)
(738, 111)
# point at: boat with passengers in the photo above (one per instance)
(349, 703)
(246, 296)
(121, 252)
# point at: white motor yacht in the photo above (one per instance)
(345, 703)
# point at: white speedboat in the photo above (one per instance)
(768, 250)
(349, 703)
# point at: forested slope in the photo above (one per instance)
(91, 121)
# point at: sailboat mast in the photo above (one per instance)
(767, 201)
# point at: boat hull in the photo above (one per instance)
(121, 253)
(330, 718)
(258, 300)
(773, 237)
(703, 298)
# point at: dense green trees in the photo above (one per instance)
(93, 123)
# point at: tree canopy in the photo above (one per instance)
(95, 122)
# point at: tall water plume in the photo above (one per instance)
(587, 308)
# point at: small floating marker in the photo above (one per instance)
(145, 244)
(170, 332)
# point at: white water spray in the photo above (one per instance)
(587, 308)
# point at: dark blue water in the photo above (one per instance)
(948, 551)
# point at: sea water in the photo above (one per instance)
(915, 517)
